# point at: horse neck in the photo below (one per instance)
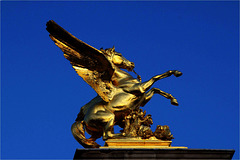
(120, 76)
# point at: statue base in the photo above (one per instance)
(154, 154)
(139, 143)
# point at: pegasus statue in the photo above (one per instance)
(119, 93)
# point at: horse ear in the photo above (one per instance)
(113, 49)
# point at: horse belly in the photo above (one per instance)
(122, 101)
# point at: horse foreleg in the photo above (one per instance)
(150, 94)
(148, 84)
(143, 87)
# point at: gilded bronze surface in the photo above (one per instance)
(120, 95)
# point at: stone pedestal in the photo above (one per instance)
(139, 143)
(150, 153)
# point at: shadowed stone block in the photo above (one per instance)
(128, 154)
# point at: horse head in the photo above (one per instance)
(117, 59)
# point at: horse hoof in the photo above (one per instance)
(104, 138)
(174, 102)
(177, 73)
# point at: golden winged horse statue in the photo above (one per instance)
(118, 92)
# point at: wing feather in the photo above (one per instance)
(89, 63)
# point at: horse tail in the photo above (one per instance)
(78, 132)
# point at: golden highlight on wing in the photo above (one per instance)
(90, 63)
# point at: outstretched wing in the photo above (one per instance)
(89, 62)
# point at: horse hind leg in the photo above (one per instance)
(108, 129)
(103, 120)
(150, 94)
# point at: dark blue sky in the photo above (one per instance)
(41, 94)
